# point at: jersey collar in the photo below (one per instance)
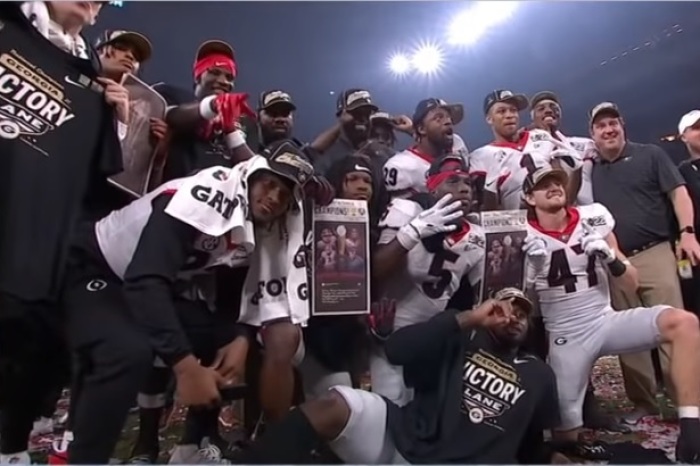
(518, 145)
(457, 236)
(566, 233)
(427, 157)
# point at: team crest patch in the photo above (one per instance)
(560, 341)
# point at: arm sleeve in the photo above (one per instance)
(668, 175)
(161, 252)
(109, 161)
(422, 342)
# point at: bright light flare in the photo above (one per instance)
(428, 59)
(400, 64)
(469, 26)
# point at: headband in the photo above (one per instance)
(437, 179)
(215, 60)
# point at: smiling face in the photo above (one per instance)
(608, 133)
(270, 197)
(548, 195)
(546, 115)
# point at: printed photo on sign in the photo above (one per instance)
(505, 261)
(340, 253)
(138, 147)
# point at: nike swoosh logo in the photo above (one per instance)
(74, 83)
(361, 169)
(520, 361)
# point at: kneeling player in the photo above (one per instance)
(479, 399)
(425, 250)
(571, 252)
(120, 296)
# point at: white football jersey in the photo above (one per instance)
(588, 152)
(430, 279)
(505, 165)
(574, 288)
(119, 232)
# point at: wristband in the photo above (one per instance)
(205, 110)
(617, 268)
(408, 237)
(690, 412)
(235, 139)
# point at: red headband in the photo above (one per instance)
(215, 60)
(437, 179)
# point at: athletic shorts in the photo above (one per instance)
(387, 379)
(572, 356)
(365, 439)
(317, 379)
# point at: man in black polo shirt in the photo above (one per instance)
(57, 138)
(643, 190)
(689, 130)
(478, 399)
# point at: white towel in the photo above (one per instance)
(215, 202)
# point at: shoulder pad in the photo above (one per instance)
(398, 213)
(599, 217)
(401, 172)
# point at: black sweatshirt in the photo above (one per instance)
(473, 403)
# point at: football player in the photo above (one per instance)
(424, 252)
(572, 255)
(545, 112)
(501, 166)
(433, 126)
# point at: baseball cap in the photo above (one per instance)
(603, 107)
(515, 294)
(142, 46)
(503, 95)
(286, 159)
(426, 105)
(210, 47)
(688, 120)
(275, 97)
(448, 163)
(543, 95)
(352, 99)
(536, 177)
(380, 117)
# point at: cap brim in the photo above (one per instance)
(456, 112)
(605, 111)
(688, 121)
(361, 105)
(214, 46)
(525, 303)
(283, 103)
(140, 43)
(559, 175)
(520, 100)
(544, 95)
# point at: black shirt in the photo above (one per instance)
(635, 188)
(472, 404)
(690, 171)
(57, 133)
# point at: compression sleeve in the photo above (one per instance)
(424, 342)
(161, 252)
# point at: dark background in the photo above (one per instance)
(643, 55)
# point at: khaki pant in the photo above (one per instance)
(658, 284)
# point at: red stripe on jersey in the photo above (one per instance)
(518, 145)
(427, 157)
(478, 173)
(169, 191)
(457, 236)
(502, 179)
(564, 234)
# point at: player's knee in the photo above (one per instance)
(329, 414)
(678, 323)
(281, 341)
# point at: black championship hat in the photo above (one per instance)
(503, 95)
(352, 99)
(140, 43)
(426, 105)
(536, 177)
(274, 98)
(286, 159)
(544, 95)
(507, 294)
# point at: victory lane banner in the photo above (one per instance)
(505, 232)
(138, 147)
(340, 278)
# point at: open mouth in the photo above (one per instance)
(552, 194)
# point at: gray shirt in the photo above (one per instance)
(635, 189)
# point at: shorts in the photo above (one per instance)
(387, 379)
(571, 356)
(365, 439)
(317, 379)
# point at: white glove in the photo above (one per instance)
(535, 249)
(430, 222)
(570, 160)
(594, 244)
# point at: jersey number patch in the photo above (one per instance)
(560, 271)
(435, 290)
(390, 175)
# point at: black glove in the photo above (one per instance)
(381, 318)
(320, 190)
(688, 443)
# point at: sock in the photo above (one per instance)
(21, 457)
(200, 423)
(691, 412)
(288, 441)
(149, 425)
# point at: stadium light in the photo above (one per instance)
(399, 64)
(469, 26)
(427, 59)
